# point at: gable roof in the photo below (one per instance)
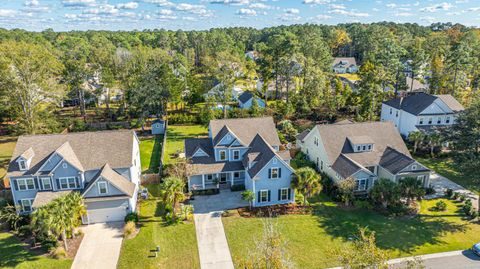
(90, 149)
(338, 60)
(245, 129)
(193, 144)
(416, 103)
(245, 96)
(394, 161)
(29, 153)
(117, 180)
(334, 137)
(303, 134)
(345, 167)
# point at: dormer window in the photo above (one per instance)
(358, 148)
(369, 147)
(22, 165)
(102, 188)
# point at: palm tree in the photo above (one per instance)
(307, 181)
(248, 196)
(411, 188)
(76, 209)
(171, 192)
(434, 140)
(417, 138)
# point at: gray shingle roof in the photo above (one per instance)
(247, 128)
(303, 134)
(383, 134)
(92, 149)
(350, 60)
(416, 103)
(394, 161)
(345, 167)
(260, 153)
(245, 96)
(117, 180)
(28, 154)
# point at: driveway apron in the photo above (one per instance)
(100, 247)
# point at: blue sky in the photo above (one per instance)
(64, 15)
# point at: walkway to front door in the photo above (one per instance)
(212, 242)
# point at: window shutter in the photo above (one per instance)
(279, 194)
(269, 196)
(269, 173)
(35, 182)
(77, 182)
(279, 172)
(58, 183)
(19, 202)
(259, 196)
(15, 184)
(366, 184)
(289, 194)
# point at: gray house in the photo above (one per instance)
(246, 98)
(103, 166)
(363, 151)
(344, 65)
(241, 152)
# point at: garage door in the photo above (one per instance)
(106, 215)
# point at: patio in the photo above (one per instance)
(226, 199)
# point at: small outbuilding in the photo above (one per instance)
(158, 127)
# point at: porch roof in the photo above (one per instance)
(202, 168)
(45, 197)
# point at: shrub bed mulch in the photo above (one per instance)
(73, 245)
(274, 211)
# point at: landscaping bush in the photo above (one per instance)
(463, 197)
(449, 193)
(440, 206)
(131, 217)
(473, 214)
(181, 119)
(299, 198)
(24, 231)
(429, 191)
(300, 160)
(456, 195)
(187, 212)
(330, 188)
(129, 229)
(467, 208)
(399, 210)
(362, 204)
(58, 253)
(238, 187)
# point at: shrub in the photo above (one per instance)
(449, 193)
(238, 187)
(131, 217)
(362, 204)
(299, 198)
(441, 206)
(473, 214)
(429, 191)
(58, 253)
(467, 208)
(129, 229)
(456, 195)
(300, 160)
(463, 197)
(24, 231)
(186, 212)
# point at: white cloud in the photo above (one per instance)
(161, 3)
(194, 9)
(260, 6)
(76, 3)
(230, 2)
(292, 11)
(165, 12)
(322, 17)
(474, 9)
(316, 2)
(428, 19)
(32, 3)
(338, 6)
(437, 7)
(348, 13)
(7, 12)
(129, 5)
(403, 14)
(246, 12)
(102, 10)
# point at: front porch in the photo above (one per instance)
(216, 180)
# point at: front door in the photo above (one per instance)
(223, 178)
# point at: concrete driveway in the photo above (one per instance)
(212, 243)
(100, 247)
(441, 184)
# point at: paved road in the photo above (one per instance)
(100, 247)
(450, 260)
(212, 243)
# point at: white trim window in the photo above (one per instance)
(25, 184)
(439, 120)
(361, 184)
(421, 178)
(274, 172)
(26, 205)
(430, 120)
(46, 183)
(222, 155)
(102, 187)
(236, 175)
(67, 183)
(283, 194)
(236, 155)
(22, 165)
(447, 120)
(64, 165)
(414, 167)
(420, 121)
(263, 196)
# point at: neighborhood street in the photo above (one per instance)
(449, 260)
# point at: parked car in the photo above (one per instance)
(476, 249)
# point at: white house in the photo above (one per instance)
(363, 151)
(345, 65)
(420, 111)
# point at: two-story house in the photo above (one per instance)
(241, 152)
(103, 166)
(344, 65)
(421, 112)
(363, 151)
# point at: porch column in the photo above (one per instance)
(203, 181)
(231, 177)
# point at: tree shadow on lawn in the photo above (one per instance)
(12, 252)
(155, 157)
(402, 234)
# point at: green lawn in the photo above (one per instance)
(14, 255)
(150, 149)
(178, 243)
(7, 145)
(176, 135)
(447, 168)
(310, 238)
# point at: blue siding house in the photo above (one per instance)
(103, 166)
(246, 98)
(241, 152)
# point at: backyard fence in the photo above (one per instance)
(162, 151)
